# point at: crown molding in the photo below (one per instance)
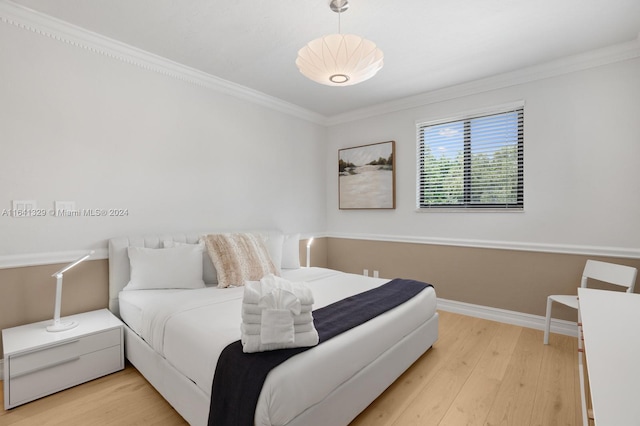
(595, 58)
(64, 32)
(620, 252)
(48, 26)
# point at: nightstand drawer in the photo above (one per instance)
(30, 386)
(38, 362)
(40, 359)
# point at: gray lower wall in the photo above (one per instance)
(506, 279)
(27, 294)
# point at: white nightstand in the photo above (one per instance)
(38, 363)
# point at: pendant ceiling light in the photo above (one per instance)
(339, 59)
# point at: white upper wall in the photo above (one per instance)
(81, 126)
(81, 123)
(582, 168)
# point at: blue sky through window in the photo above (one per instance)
(488, 135)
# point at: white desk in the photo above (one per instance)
(611, 327)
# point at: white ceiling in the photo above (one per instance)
(427, 44)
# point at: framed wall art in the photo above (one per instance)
(367, 176)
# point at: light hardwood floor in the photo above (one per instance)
(479, 372)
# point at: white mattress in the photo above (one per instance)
(190, 328)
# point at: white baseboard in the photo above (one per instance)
(568, 328)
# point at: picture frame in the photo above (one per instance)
(367, 176)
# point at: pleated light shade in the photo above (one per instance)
(339, 60)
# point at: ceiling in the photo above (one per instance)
(427, 44)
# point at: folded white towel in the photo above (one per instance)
(303, 318)
(278, 308)
(254, 329)
(254, 308)
(276, 327)
(277, 314)
(253, 343)
(280, 299)
(254, 290)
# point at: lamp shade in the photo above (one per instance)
(339, 60)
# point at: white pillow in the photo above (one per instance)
(209, 274)
(273, 242)
(177, 267)
(291, 252)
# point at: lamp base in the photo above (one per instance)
(62, 326)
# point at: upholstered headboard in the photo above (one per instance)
(119, 269)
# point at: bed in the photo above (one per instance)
(174, 337)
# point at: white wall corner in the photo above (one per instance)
(62, 31)
(567, 328)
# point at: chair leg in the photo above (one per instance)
(547, 322)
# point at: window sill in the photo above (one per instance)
(468, 210)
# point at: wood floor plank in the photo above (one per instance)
(389, 406)
(475, 364)
(120, 398)
(554, 402)
(513, 403)
(473, 402)
(439, 392)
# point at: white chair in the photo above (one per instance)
(624, 276)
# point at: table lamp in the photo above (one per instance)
(57, 324)
(309, 252)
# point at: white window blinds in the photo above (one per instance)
(475, 162)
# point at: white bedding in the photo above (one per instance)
(190, 328)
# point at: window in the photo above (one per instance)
(475, 162)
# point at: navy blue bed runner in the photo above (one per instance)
(239, 377)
